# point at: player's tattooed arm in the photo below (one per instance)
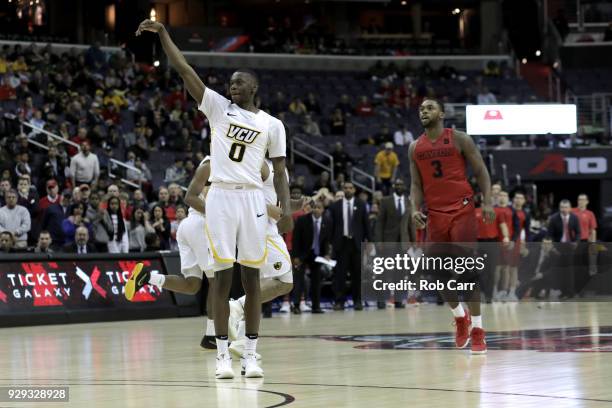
(192, 198)
(192, 81)
(281, 186)
(473, 157)
(416, 191)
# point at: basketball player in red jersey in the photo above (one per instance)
(438, 168)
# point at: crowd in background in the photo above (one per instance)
(69, 198)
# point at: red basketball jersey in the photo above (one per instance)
(442, 168)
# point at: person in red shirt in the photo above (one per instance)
(588, 222)
(488, 236)
(438, 168)
(52, 196)
(364, 108)
(503, 220)
(520, 227)
(586, 257)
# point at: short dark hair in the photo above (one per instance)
(565, 202)
(250, 72)
(437, 101)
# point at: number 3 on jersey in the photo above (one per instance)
(437, 165)
(236, 152)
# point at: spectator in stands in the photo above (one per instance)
(486, 97)
(27, 195)
(84, 167)
(22, 167)
(279, 104)
(85, 194)
(15, 219)
(161, 224)
(386, 162)
(345, 105)
(44, 243)
(297, 107)
(55, 162)
(402, 136)
(81, 244)
(164, 201)
(311, 127)
(138, 199)
(181, 214)
(5, 187)
(342, 161)
(52, 196)
(91, 209)
(75, 219)
(324, 181)
(468, 97)
(492, 69)
(350, 229)
(144, 178)
(337, 123)
(80, 138)
(176, 173)
(7, 242)
(138, 229)
(175, 196)
(7, 92)
(118, 241)
(312, 104)
(364, 108)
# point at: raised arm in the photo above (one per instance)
(192, 81)
(416, 191)
(473, 157)
(196, 186)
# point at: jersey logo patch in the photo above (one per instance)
(278, 266)
(242, 134)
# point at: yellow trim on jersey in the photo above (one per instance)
(214, 252)
(279, 249)
(257, 262)
(244, 127)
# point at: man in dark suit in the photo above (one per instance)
(350, 228)
(394, 225)
(81, 243)
(564, 230)
(312, 238)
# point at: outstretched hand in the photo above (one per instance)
(149, 25)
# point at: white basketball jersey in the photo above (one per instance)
(239, 140)
(191, 209)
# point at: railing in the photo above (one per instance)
(360, 173)
(505, 174)
(76, 145)
(296, 141)
(594, 112)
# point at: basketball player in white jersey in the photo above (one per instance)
(276, 275)
(235, 206)
(193, 250)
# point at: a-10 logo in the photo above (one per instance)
(242, 134)
(558, 163)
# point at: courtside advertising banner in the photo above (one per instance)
(30, 286)
(556, 119)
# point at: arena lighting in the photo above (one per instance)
(536, 119)
(456, 11)
(153, 15)
(156, 63)
(404, 2)
(538, 53)
(524, 60)
(556, 64)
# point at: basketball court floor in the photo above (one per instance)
(540, 355)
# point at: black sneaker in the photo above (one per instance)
(209, 342)
(138, 278)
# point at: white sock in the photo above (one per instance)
(458, 311)
(477, 321)
(157, 279)
(241, 301)
(250, 346)
(222, 347)
(210, 327)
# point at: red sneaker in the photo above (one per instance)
(462, 335)
(479, 344)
